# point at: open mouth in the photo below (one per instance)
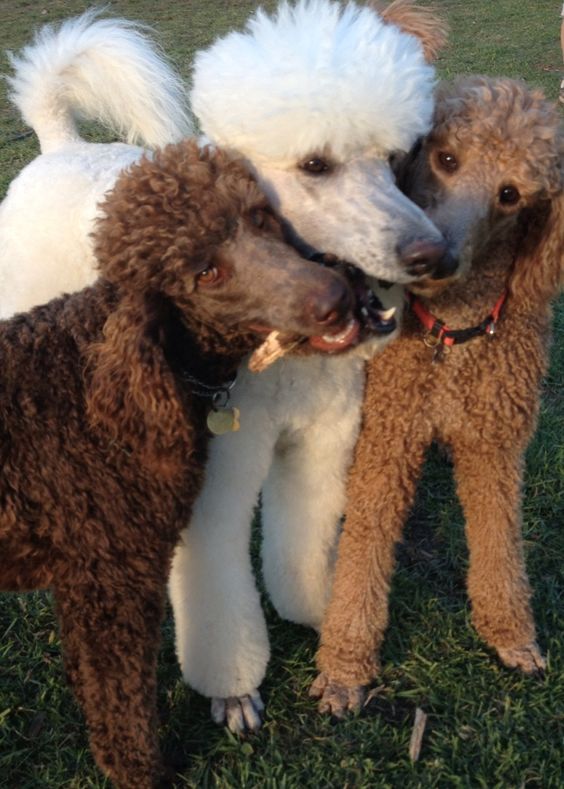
(369, 318)
(369, 312)
(332, 343)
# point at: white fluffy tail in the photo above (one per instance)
(102, 69)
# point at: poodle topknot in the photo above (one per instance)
(314, 74)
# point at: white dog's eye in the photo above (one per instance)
(316, 165)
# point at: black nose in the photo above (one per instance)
(446, 267)
(421, 258)
(331, 305)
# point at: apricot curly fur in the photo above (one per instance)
(102, 440)
(482, 400)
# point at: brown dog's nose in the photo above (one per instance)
(331, 305)
(421, 258)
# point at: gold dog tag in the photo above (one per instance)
(224, 421)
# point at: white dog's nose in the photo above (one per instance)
(422, 258)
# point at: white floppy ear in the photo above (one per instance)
(423, 22)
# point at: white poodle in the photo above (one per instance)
(317, 98)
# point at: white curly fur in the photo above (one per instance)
(104, 69)
(314, 74)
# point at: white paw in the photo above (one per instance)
(527, 658)
(240, 714)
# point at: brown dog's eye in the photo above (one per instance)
(448, 161)
(209, 276)
(509, 195)
(316, 165)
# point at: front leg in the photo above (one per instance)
(381, 489)
(489, 483)
(380, 495)
(303, 501)
(221, 637)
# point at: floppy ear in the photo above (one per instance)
(132, 393)
(409, 168)
(424, 22)
(539, 267)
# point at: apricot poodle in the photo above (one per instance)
(466, 372)
(103, 407)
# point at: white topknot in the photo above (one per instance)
(314, 74)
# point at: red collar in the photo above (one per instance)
(438, 332)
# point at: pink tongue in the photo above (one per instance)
(327, 344)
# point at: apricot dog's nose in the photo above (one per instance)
(421, 258)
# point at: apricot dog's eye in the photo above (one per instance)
(448, 161)
(509, 195)
(316, 165)
(209, 276)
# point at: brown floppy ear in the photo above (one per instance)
(424, 22)
(539, 267)
(132, 393)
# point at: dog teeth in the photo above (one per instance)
(342, 336)
(386, 315)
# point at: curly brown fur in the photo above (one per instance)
(424, 22)
(482, 400)
(102, 439)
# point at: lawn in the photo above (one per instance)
(487, 727)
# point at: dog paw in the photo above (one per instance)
(241, 714)
(336, 699)
(527, 658)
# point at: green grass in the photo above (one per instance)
(488, 727)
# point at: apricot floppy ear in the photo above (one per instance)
(538, 270)
(426, 23)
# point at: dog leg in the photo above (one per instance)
(303, 500)
(240, 713)
(221, 638)
(110, 635)
(357, 616)
(489, 487)
(381, 488)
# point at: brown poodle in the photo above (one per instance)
(103, 404)
(465, 372)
